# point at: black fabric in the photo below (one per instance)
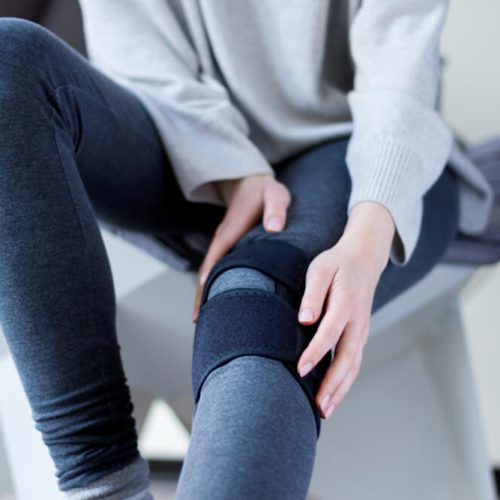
(282, 261)
(247, 321)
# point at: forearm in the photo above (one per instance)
(143, 46)
(399, 145)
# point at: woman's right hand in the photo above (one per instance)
(338, 298)
(247, 199)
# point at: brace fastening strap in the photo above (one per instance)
(253, 322)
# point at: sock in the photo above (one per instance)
(128, 483)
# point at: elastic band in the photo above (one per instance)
(282, 261)
(253, 322)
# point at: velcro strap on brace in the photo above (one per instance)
(243, 322)
(282, 261)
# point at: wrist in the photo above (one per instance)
(225, 188)
(371, 222)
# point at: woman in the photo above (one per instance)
(322, 180)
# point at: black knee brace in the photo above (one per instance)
(247, 321)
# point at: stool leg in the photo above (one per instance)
(410, 426)
(448, 363)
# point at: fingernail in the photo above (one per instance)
(305, 369)
(274, 223)
(329, 411)
(324, 402)
(305, 315)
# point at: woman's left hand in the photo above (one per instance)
(345, 276)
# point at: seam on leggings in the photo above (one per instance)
(72, 87)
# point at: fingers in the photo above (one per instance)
(202, 277)
(234, 225)
(319, 277)
(225, 236)
(349, 379)
(327, 334)
(343, 370)
(277, 199)
(346, 384)
(240, 217)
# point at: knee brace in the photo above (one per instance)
(249, 320)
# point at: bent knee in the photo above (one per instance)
(240, 278)
(251, 310)
(268, 261)
(24, 47)
(20, 37)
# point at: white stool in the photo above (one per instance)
(409, 428)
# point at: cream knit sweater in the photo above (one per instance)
(234, 85)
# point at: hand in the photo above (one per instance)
(346, 275)
(247, 199)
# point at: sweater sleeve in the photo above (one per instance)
(400, 145)
(142, 45)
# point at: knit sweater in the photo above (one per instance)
(235, 86)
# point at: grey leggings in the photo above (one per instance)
(74, 147)
(253, 434)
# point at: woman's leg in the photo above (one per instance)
(253, 433)
(73, 145)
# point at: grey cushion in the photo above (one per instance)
(483, 248)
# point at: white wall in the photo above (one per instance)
(471, 104)
(471, 44)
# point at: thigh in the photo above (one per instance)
(101, 129)
(124, 164)
(320, 185)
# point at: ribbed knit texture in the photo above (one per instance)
(236, 86)
(389, 166)
(128, 483)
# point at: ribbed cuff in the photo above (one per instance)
(390, 187)
(398, 149)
